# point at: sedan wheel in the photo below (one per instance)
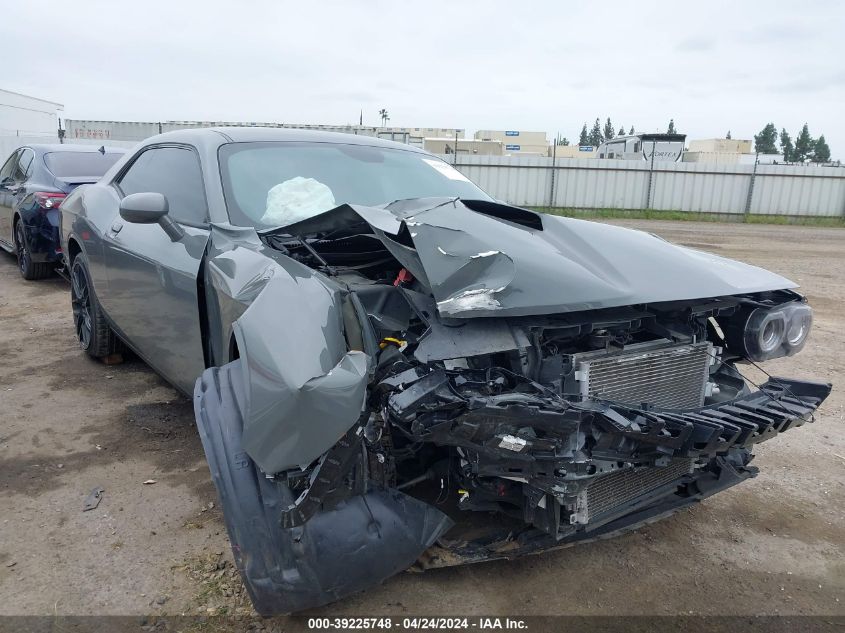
(29, 269)
(23, 251)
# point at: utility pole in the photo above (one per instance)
(455, 157)
(650, 175)
(751, 185)
(552, 178)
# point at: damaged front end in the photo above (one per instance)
(443, 382)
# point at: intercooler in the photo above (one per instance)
(659, 374)
(612, 491)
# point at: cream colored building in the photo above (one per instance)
(721, 145)
(732, 158)
(517, 142)
(717, 158)
(429, 132)
(572, 151)
(465, 146)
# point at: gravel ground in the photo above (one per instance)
(773, 545)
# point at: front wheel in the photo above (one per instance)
(343, 548)
(30, 270)
(92, 331)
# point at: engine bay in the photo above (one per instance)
(561, 422)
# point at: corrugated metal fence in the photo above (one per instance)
(622, 184)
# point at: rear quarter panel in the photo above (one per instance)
(87, 214)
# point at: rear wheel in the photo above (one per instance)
(29, 269)
(92, 331)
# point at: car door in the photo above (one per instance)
(152, 296)
(11, 181)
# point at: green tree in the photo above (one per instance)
(803, 145)
(671, 129)
(385, 117)
(631, 131)
(728, 135)
(584, 139)
(609, 132)
(621, 131)
(595, 134)
(563, 141)
(821, 151)
(786, 145)
(765, 141)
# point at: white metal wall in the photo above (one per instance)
(22, 114)
(621, 184)
(702, 187)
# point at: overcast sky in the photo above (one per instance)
(478, 64)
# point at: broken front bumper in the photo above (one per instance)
(702, 452)
(338, 547)
(779, 405)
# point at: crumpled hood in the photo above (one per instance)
(482, 258)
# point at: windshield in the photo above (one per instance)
(80, 164)
(278, 183)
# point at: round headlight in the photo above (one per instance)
(764, 334)
(770, 334)
(800, 321)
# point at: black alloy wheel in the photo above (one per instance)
(80, 299)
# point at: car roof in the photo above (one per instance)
(223, 135)
(45, 148)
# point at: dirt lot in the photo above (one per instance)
(67, 424)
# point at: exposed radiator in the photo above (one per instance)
(609, 492)
(664, 375)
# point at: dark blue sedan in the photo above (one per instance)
(33, 182)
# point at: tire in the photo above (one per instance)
(250, 501)
(30, 270)
(357, 544)
(92, 330)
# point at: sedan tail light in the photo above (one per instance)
(48, 200)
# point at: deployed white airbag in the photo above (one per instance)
(297, 199)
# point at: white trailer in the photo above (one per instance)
(22, 115)
(664, 147)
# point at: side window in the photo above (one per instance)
(174, 172)
(9, 166)
(24, 164)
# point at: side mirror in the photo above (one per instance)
(144, 208)
(150, 208)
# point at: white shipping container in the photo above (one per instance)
(22, 115)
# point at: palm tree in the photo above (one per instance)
(384, 117)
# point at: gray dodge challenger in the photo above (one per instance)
(392, 370)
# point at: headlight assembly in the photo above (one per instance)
(771, 332)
